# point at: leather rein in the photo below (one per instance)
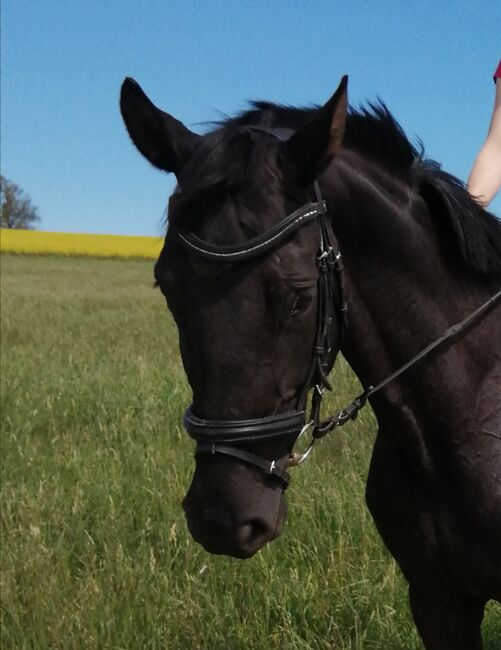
(225, 437)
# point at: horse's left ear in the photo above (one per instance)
(162, 139)
(312, 147)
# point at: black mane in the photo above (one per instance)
(374, 133)
(219, 168)
(371, 131)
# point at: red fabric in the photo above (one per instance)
(497, 74)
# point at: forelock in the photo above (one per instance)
(230, 162)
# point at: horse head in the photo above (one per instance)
(248, 323)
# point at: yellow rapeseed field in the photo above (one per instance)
(58, 243)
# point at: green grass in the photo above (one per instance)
(95, 550)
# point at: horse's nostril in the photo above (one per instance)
(253, 532)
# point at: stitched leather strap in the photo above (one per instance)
(257, 245)
(273, 426)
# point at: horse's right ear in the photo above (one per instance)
(312, 147)
(162, 139)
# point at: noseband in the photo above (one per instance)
(226, 436)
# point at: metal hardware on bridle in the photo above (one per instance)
(221, 436)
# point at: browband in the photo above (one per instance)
(257, 245)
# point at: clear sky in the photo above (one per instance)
(62, 63)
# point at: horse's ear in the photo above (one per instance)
(314, 145)
(162, 139)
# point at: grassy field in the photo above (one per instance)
(95, 551)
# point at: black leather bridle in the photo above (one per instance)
(224, 436)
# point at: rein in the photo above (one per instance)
(222, 436)
(351, 411)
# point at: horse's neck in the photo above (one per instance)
(401, 293)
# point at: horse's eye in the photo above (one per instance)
(299, 305)
(295, 307)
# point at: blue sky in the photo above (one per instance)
(62, 63)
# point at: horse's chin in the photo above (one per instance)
(236, 553)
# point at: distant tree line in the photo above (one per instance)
(17, 209)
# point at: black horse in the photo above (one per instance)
(251, 270)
